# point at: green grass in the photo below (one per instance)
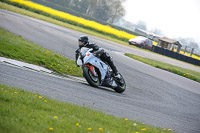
(168, 67)
(25, 112)
(16, 47)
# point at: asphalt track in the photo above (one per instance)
(153, 96)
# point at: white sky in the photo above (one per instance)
(175, 18)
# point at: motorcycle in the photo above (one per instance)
(98, 73)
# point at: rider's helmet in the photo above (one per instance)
(83, 41)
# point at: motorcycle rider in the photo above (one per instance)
(104, 56)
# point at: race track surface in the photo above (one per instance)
(153, 96)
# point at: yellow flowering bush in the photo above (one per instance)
(187, 54)
(78, 20)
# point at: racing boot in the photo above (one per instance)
(117, 76)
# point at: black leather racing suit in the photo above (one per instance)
(104, 56)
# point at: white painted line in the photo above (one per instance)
(23, 64)
(40, 69)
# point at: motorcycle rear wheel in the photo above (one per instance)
(90, 78)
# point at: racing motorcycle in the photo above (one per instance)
(98, 73)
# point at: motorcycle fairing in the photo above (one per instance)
(91, 59)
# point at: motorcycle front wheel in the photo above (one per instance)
(121, 85)
(93, 80)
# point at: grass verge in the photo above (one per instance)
(16, 47)
(25, 112)
(168, 67)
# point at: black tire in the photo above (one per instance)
(121, 85)
(91, 79)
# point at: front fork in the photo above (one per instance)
(92, 69)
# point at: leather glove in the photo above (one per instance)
(78, 51)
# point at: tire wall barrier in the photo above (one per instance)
(175, 55)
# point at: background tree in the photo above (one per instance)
(189, 42)
(156, 31)
(106, 10)
(141, 25)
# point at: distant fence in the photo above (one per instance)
(175, 55)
